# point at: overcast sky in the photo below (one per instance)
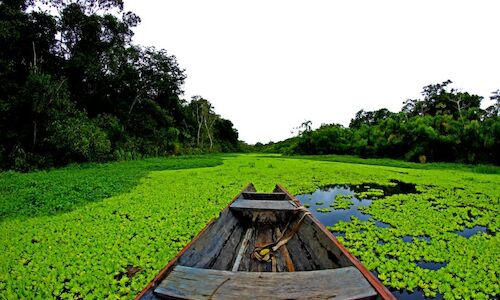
(270, 65)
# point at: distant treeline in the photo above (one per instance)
(73, 88)
(446, 125)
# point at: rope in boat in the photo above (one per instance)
(266, 252)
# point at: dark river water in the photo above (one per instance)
(322, 198)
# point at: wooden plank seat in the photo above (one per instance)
(196, 283)
(263, 196)
(244, 204)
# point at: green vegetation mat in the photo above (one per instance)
(389, 162)
(61, 190)
(112, 243)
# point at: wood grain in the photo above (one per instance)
(194, 283)
(204, 251)
(263, 196)
(243, 204)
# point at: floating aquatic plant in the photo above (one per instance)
(342, 201)
(324, 210)
(117, 239)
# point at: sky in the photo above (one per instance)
(270, 65)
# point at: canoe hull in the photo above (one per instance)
(226, 245)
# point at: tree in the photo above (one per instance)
(205, 117)
(226, 134)
(73, 87)
(370, 117)
(446, 125)
(494, 109)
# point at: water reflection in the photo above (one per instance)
(431, 265)
(327, 196)
(324, 198)
(468, 232)
(416, 295)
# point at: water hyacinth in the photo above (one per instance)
(113, 241)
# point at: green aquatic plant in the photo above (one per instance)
(324, 210)
(140, 222)
(370, 193)
(343, 197)
(62, 190)
(342, 202)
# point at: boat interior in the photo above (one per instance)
(221, 261)
(255, 220)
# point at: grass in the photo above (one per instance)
(142, 213)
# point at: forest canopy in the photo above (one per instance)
(74, 88)
(445, 125)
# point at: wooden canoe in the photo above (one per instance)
(222, 263)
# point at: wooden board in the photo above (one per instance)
(204, 252)
(226, 256)
(263, 237)
(323, 250)
(283, 260)
(243, 204)
(300, 257)
(241, 250)
(195, 283)
(262, 196)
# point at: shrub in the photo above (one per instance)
(78, 138)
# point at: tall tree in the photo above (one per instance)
(74, 88)
(205, 117)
